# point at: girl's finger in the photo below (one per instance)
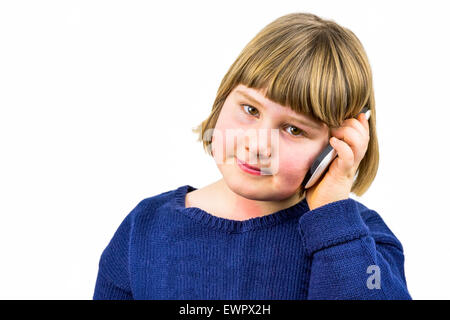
(362, 119)
(349, 135)
(345, 153)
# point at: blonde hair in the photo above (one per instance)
(315, 67)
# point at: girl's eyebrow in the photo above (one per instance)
(253, 100)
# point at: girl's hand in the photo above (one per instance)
(351, 146)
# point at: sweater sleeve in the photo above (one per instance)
(113, 279)
(354, 255)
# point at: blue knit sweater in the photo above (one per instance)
(163, 250)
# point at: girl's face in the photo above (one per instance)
(265, 135)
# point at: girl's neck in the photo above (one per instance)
(218, 199)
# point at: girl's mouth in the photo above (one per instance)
(248, 168)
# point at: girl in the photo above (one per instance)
(257, 233)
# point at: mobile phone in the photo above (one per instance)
(323, 160)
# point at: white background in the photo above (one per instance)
(98, 99)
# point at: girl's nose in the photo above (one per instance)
(259, 145)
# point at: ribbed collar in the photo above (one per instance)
(236, 226)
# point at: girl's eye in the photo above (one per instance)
(251, 108)
(298, 130)
(295, 132)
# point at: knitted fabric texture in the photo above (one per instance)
(163, 250)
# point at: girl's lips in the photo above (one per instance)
(248, 166)
(249, 169)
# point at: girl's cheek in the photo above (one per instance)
(232, 127)
(295, 165)
(225, 143)
(241, 118)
